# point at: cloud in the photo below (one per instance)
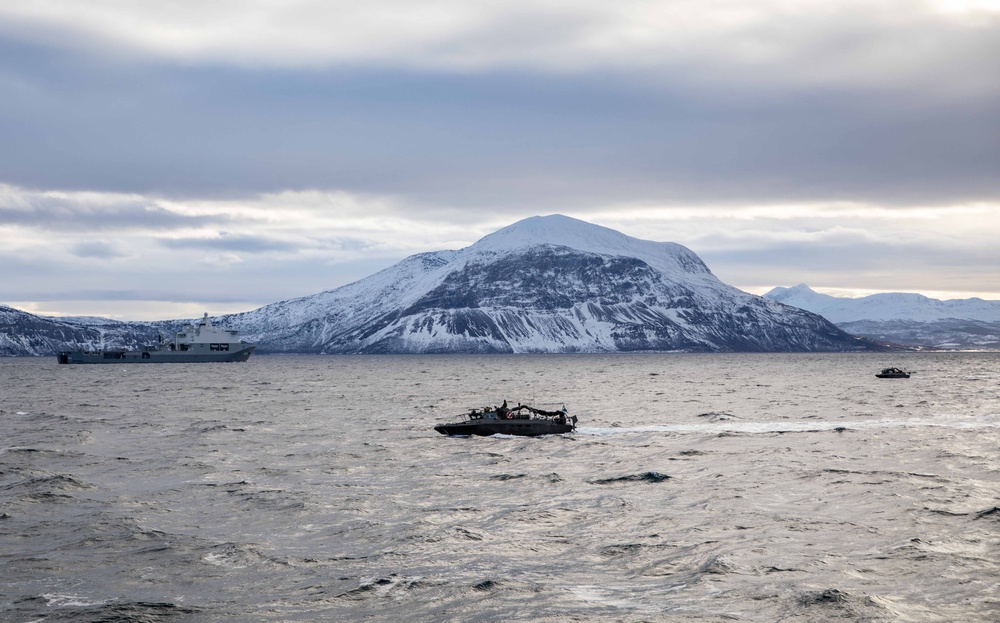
(221, 260)
(820, 41)
(850, 246)
(276, 246)
(91, 211)
(505, 106)
(205, 250)
(492, 142)
(231, 242)
(96, 249)
(286, 148)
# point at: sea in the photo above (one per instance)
(696, 488)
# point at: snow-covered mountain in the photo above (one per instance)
(24, 334)
(885, 306)
(544, 284)
(904, 318)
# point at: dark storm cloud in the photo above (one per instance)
(496, 137)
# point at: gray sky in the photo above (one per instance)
(163, 159)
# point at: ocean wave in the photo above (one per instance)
(239, 556)
(73, 607)
(641, 477)
(54, 482)
(378, 587)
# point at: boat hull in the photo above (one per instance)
(522, 428)
(156, 356)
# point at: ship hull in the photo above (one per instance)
(193, 355)
(523, 428)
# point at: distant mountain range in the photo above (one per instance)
(542, 285)
(904, 318)
(24, 334)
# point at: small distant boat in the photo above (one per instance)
(893, 373)
(522, 420)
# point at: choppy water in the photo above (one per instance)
(698, 488)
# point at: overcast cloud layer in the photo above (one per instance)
(160, 161)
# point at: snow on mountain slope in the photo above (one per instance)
(24, 334)
(669, 258)
(904, 318)
(544, 284)
(401, 284)
(354, 302)
(885, 306)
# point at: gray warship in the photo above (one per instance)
(522, 420)
(192, 344)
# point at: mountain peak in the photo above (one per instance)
(554, 229)
(782, 294)
(565, 231)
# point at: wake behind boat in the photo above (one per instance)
(522, 420)
(192, 344)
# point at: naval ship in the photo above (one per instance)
(192, 344)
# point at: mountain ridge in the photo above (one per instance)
(546, 284)
(904, 317)
(885, 306)
(543, 284)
